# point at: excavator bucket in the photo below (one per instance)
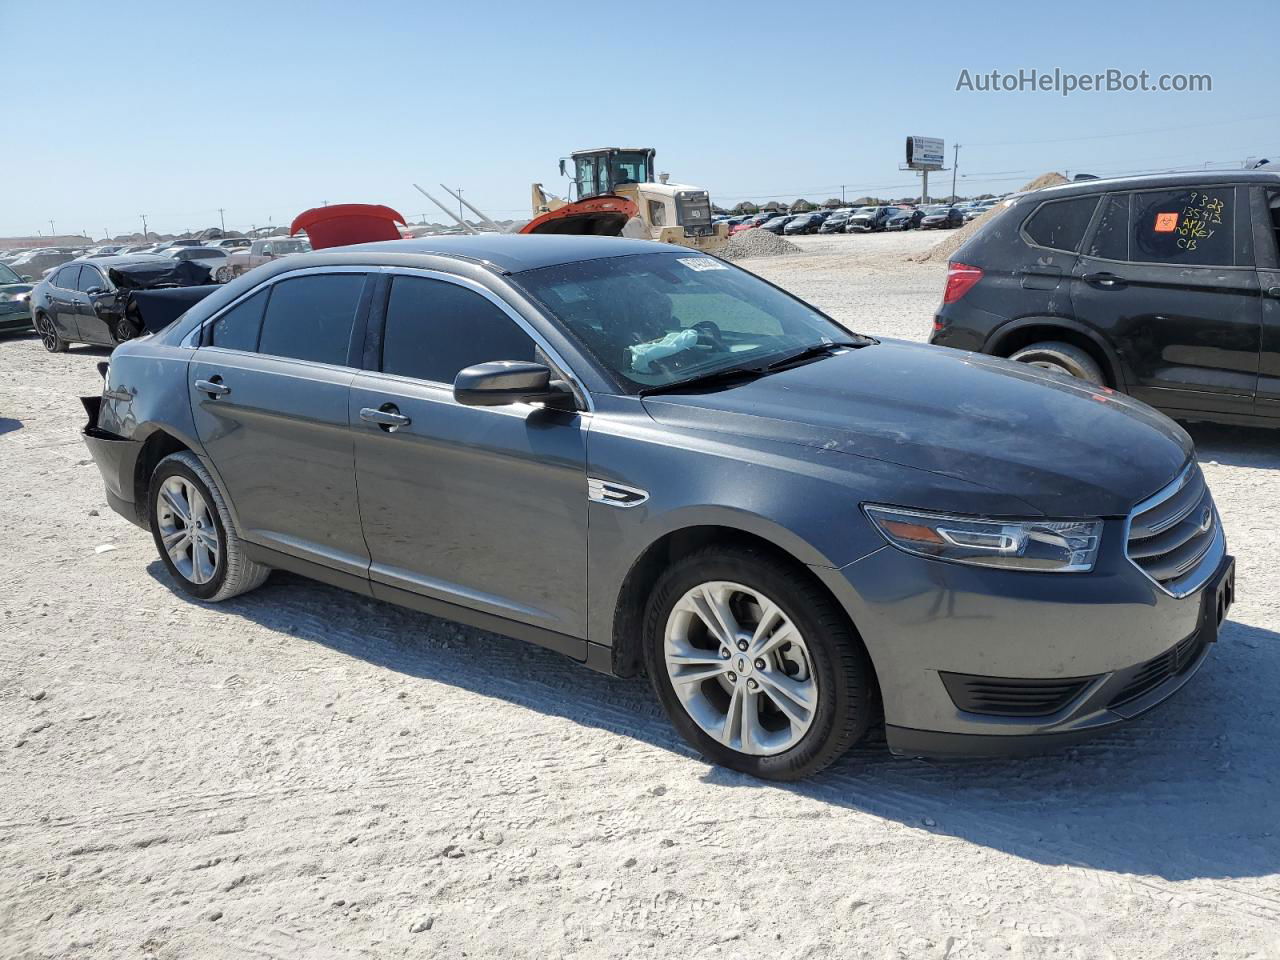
(594, 217)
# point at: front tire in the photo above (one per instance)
(49, 335)
(755, 665)
(1061, 358)
(195, 534)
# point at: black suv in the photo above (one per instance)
(1164, 287)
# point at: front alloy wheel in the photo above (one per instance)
(740, 668)
(754, 662)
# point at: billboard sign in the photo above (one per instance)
(924, 153)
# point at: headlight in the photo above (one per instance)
(1045, 546)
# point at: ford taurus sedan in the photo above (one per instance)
(652, 461)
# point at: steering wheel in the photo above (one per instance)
(711, 331)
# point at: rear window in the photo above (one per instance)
(310, 318)
(1061, 224)
(67, 277)
(1184, 226)
(1110, 240)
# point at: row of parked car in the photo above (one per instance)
(866, 219)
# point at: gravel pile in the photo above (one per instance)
(757, 243)
(956, 239)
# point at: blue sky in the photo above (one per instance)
(267, 108)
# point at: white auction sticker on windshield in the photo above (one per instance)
(702, 263)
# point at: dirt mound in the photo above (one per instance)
(756, 243)
(955, 240)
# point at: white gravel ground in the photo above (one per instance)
(302, 772)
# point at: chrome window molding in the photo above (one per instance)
(193, 338)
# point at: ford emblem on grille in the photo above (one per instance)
(1206, 520)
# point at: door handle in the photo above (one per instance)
(1102, 279)
(1273, 293)
(213, 388)
(388, 417)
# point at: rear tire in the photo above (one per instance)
(778, 710)
(49, 335)
(195, 534)
(1061, 358)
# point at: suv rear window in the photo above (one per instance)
(1060, 224)
(1193, 226)
(310, 318)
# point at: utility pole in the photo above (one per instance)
(144, 226)
(842, 194)
(955, 165)
(222, 219)
(52, 232)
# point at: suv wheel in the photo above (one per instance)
(1061, 358)
(49, 335)
(195, 534)
(755, 665)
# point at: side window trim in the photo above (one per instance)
(557, 361)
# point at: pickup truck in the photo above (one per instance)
(258, 253)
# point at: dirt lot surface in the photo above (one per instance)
(301, 772)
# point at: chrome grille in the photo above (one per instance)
(1175, 537)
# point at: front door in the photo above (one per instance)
(92, 327)
(1161, 277)
(270, 392)
(62, 301)
(1266, 234)
(480, 506)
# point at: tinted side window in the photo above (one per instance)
(434, 329)
(1184, 226)
(1060, 224)
(310, 318)
(67, 277)
(238, 328)
(1111, 238)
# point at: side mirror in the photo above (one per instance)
(562, 167)
(95, 291)
(500, 382)
(28, 279)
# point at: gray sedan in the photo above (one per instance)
(650, 460)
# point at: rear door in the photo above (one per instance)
(1266, 237)
(480, 506)
(1168, 277)
(62, 301)
(269, 391)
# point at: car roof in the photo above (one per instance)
(1190, 178)
(512, 253)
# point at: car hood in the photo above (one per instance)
(1061, 446)
(22, 287)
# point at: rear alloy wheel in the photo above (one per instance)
(49, 335)
(195, 534)
(222, 275)
(755, 665)
(1061, 358)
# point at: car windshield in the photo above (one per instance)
(934, 211)
(291, 246)
(655, 319)
(8, 276)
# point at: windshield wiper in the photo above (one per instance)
(732, 375)
(809, 353)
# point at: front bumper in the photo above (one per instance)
(1112, 641)
(15, 316)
